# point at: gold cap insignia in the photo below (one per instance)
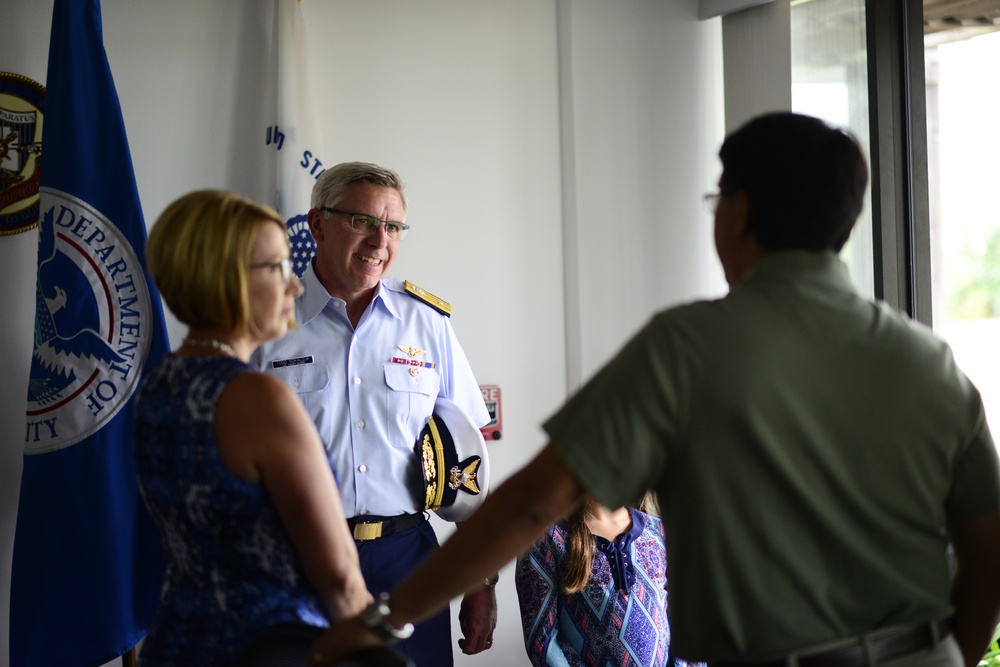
(454, 462)
(465, 478)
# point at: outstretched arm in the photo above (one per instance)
(511, 519)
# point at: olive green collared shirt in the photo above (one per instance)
(808, 447)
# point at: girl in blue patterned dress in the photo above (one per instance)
(592, 592)
(229, 463)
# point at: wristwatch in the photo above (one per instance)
(491, 581)
(376, 618)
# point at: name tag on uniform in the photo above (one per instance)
(294, 361)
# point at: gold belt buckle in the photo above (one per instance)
(367, 531)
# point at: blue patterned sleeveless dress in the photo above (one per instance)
(231, 569)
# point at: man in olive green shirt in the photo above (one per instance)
(814, 453)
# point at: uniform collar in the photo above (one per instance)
(315, 298)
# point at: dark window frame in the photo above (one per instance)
(897, 107)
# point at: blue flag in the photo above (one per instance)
(87, 564)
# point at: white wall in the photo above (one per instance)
(555, 153)
(24, 39)
(646, 112)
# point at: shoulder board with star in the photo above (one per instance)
(434, 302)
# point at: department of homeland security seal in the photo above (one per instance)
(20, 151)
(92, 319)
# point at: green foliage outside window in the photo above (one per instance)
(992, 657)
(977, 294)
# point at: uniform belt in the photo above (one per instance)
(373, 527)
(883, 646)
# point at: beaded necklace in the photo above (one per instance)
(212, 343)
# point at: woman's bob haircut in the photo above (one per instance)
(199, 254)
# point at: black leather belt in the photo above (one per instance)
(884, 646)
(367, 527)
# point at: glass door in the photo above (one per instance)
(830, 81)
(962, 73)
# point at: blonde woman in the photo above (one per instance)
(228, 461)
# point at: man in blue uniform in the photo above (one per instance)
(369, 358)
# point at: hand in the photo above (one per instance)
(356, 596)
(478, 618)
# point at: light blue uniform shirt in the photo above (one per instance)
(368, 402)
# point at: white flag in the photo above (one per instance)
(295, 136)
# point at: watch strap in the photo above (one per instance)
(376, 618)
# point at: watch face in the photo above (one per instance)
(375, 615)
(376, 612)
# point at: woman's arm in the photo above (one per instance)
(266, 436)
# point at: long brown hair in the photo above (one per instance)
(580, 543)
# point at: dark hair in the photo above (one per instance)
(805, 180)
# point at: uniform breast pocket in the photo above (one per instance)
(304, 379)
(411, 395)
(309, 381)
(312, 383)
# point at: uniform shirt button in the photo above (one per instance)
(362, 468)
(357, 380)
(361, 423)
(296, 383)
(363, 511)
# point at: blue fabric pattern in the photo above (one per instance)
(619, 618)
(231, 569)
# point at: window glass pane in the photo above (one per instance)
(963, 103)
(830, 81)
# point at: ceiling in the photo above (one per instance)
(838, 23)
(961, 18)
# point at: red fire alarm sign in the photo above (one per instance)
(491, 394)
